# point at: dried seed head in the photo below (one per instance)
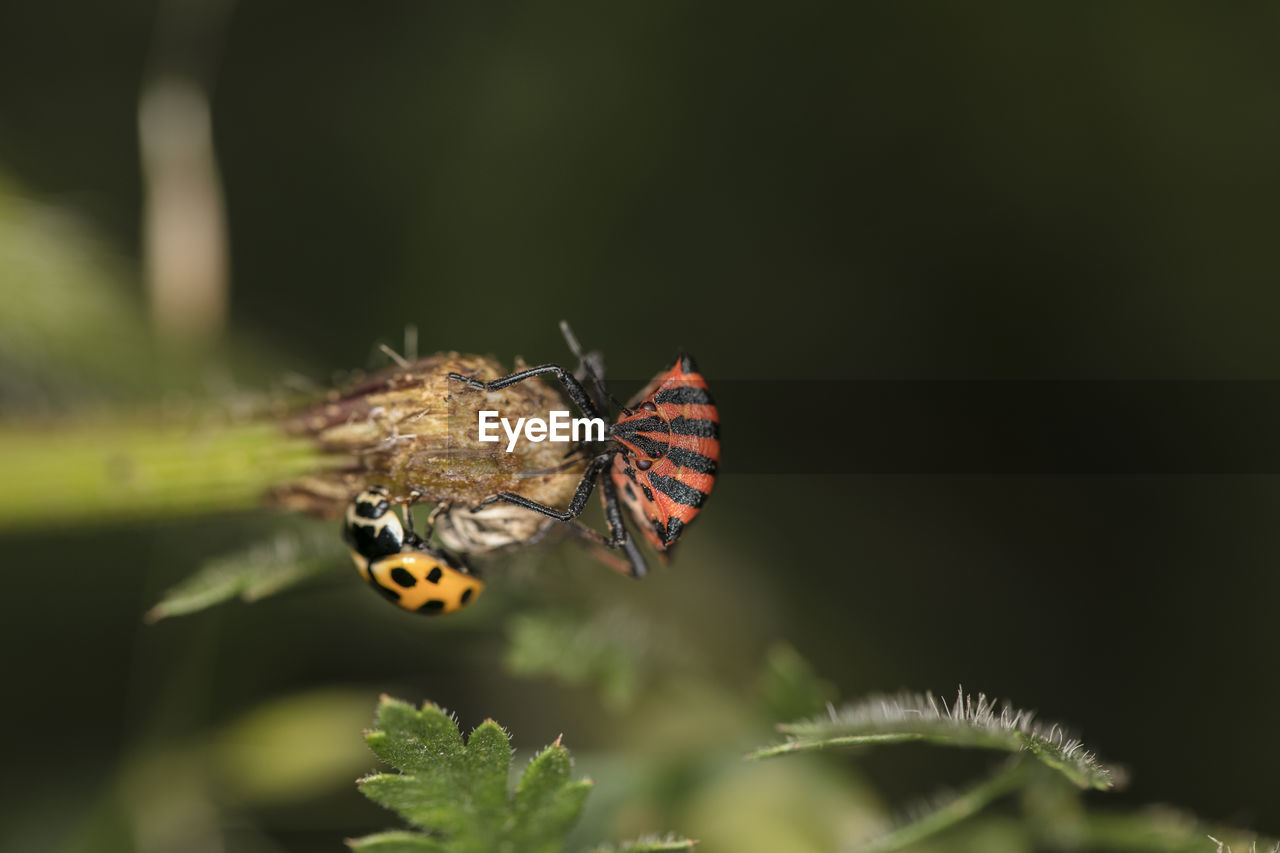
(410, 428)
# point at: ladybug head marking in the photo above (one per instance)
(371, 528)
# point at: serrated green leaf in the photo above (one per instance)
(425, 803)
(414, 739)
(969, 722)
(547, 804)
(545, 775)
(458, 794)
(488, 763)
(263, 569)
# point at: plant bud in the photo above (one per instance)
(410, 428)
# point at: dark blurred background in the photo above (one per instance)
(891, 191)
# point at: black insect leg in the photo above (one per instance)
(613, 515)
(571, 385)
(619, 536)
(634, 565)
(638, 567)
(576, 506)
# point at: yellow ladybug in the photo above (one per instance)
(400, 564)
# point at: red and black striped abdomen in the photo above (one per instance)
(671, 453)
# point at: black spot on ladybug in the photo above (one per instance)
(433, 605)
(434, 575)
(403, 577)
(466, 596)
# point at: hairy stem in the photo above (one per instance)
(1009, 778)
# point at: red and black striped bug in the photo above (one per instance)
(661, 456)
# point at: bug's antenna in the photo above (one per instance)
(571, 339)
(588, 365)
(619, 404)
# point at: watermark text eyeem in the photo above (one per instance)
(559, 428)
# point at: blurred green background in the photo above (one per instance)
(887, 191)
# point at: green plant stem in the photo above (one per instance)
(1009, 778)
(848, 740)
(120, 470)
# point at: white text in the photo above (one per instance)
(560, 428)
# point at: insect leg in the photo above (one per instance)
(619, 537)
(411, 536)
(437, 511)
(571, 385)
(576, 506)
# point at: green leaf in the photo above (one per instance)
(263, 569)
(648, 844)
(457, 793)
(968, 722)
(547, 804)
